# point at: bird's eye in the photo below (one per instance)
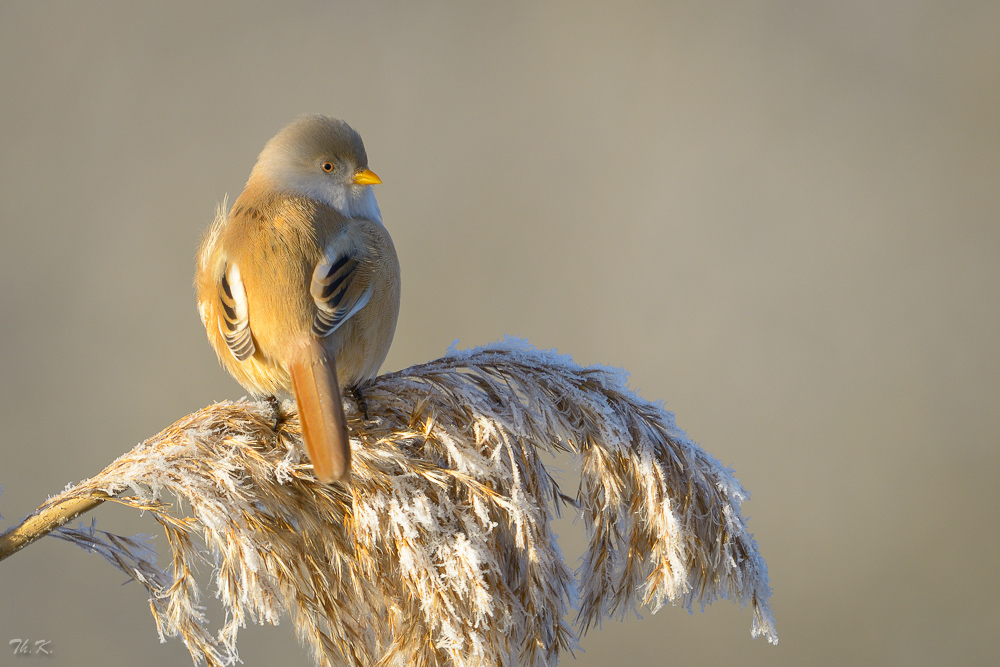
(327, 167)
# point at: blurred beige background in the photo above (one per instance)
(783, 218)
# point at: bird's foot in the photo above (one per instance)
(279, 417)
(362, 403)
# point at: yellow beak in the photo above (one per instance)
(366, 177)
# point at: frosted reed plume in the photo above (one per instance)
(440, 550)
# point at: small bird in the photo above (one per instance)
(298, 285)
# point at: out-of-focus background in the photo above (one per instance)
(783, 218)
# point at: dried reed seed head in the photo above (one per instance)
(443, 535)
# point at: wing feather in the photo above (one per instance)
(341, 284)
(234, 323)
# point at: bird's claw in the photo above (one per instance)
(362, 403)
(276, 410)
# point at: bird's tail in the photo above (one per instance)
(321, 412)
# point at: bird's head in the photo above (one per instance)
(324, 159)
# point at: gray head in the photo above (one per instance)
(324, 159)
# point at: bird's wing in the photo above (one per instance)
(234, 323)
(341, 282)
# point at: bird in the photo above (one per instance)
(298, 285)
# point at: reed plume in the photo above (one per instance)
(439, 551)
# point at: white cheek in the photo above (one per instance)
(325, 191)
(351, 201)
(362, 204)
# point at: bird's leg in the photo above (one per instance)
(362, 403)
(276, 409)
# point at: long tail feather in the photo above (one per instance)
(321, 411)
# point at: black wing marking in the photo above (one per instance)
(339, 287)
(235, 324)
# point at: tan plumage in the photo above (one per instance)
(298, 285)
